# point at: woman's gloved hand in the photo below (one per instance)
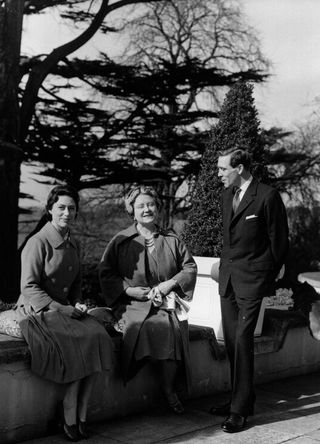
(67, 310)
(140, 293)
(81, 307)
(155, 296)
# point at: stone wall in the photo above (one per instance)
(28, 403)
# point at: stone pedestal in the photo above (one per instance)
(205, 307)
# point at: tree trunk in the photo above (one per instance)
(11, 14)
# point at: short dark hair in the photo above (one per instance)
(56, 192)
(53, 196)
(238, 156)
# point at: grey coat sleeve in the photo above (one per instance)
(187, 276)
(32, 263)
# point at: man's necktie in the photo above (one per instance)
(236, 198)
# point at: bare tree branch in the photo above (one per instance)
(40, 72)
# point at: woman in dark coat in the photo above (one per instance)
(146, 273)
(67, 345)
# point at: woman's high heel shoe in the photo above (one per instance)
(71, 432)
(83, 430)
(175, 404)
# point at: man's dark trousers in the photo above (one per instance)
(239, 321)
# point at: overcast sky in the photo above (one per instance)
(289, 32)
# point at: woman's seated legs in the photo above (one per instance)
(168, 373)
(70, 403)
(84, 396)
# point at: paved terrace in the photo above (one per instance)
(287, 411)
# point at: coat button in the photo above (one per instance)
(70, 268)
(230, 260)
(65, 289)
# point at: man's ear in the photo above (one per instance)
(240, 168)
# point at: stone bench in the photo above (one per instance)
(27, 402)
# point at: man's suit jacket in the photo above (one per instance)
(255, 241)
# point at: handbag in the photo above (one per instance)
(170, 302)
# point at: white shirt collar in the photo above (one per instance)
(245, 186)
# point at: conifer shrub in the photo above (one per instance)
(238, 127)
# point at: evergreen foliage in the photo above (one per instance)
(142, 113)
(238, 127)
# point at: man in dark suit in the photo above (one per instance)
(255, 243)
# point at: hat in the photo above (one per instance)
(215, 270)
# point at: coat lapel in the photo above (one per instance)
(53, 236)
(248, 197)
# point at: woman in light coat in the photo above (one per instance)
(146, 273)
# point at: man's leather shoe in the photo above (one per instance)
(234, 423)
(220, 410)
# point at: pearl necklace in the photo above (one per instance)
(149, 242)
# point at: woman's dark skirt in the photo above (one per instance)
(64, 349)
(159, 337)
